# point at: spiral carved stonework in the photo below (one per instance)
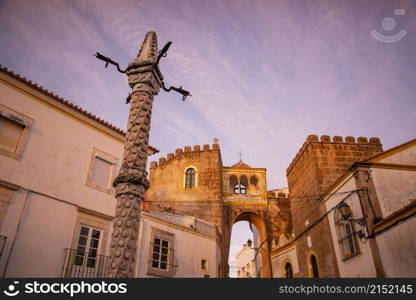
(131, 182)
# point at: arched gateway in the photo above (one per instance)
(221, 196)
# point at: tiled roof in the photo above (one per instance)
(67, 103)
(241, 165)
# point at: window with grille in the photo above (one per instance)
(190, 175)
(87, 247)
(161, 262)
(347, 239)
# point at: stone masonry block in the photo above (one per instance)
(362, 140)
(325, 138)
(350, 139)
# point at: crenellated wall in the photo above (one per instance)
(317, 165)
(167, 183)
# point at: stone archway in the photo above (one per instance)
(263, 248)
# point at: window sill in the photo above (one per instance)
(10, 154)
(191, 189)
(99, 188)
(160, 274)
(345, 258)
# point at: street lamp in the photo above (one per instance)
(249, 243)
(346, 217)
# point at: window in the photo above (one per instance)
(253, 180)
(190, 175)
(345, 231)
(288, 271)
(10, 134)
(102, 171)
(204, 264)
(240, 189)
(313, 265)
(85, 257)
(87, 247)
(14, 130)
(237, 189)
(243, 189)
(233, 184)
(161, 262)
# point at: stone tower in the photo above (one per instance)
(317, 165)
(168, 190)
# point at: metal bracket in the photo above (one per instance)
(162, 53)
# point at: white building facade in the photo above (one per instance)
(57, 164)
(372, 215)
(173, 245)
(245, 262)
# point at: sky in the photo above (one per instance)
(263, 74)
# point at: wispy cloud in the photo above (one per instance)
(263, 75)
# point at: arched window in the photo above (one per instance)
(240, 189)
(243, 185)
(253, 188)
(233, 184)
(345, 230)
(190, 178)
(243, 189)
(313, 265)
(288, 270)
(253, 180)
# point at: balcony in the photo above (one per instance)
(79, 264)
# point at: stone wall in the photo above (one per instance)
(317, 165)
(167, 189)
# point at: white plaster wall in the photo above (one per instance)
(10, 224)
(397, 248)
(361, 265)
(57, 154)
(285, 256)
(404, 157)
(189, 249)
(245, 259)
(395, 188)
(55, 162)
(46, 228)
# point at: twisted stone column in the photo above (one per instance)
(131, 183)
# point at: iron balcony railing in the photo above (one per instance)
(3, 240)
(81, 264)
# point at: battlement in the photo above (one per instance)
(186, 150)
(348, 141)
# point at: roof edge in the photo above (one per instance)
(66, 102)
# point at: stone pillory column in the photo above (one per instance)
(145, 79)
(131, 183)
